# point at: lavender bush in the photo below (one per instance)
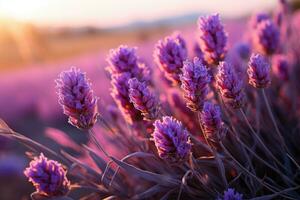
(228, 138)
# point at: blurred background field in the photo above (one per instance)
(38, 39)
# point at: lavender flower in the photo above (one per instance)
(243, 50)
(258, 71)
(171, 139)
(230, 86)
(48, 176)
(280, 67)
(194, 79)
(231, 194)
(212, 38)
(120, 93)
(257, 18)
(77, 98)
(142, 99)
(211, 120)
(169, 55)
(123, 59)
(266, 37)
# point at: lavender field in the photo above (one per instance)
(203, 109)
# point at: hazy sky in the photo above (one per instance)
(117, 12)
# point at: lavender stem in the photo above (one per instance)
(273, 118)
(258, 138)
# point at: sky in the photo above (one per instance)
(110, 13)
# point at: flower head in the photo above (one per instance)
(266, 37)
(169, 55)
(231, 194)
(280, 67)
(212, 38)
(143, 99)
(230, 85)
(195, 79)
(171, 139)
(48, 176)
(258, 71)
(77, 98)
(123, 59)
(257, 18)
(120, 93)
(211, 120)
(243, 50)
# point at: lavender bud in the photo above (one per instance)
(195, 79)
(266, 37)
(123, 59)
(171, 139)
(257, 18)
(211, 120)
(169, 55)
(231, 194)
(143, 100)
(258, 71)
(120, 94)
(48, 176)
(230, 85)
(77, 98)
(243, 50)
(212, 38)
(280, 67)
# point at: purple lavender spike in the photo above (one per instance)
(231, 194)
(195, 80)
(280, 67)
(259, 71)
(243, 50)
(77, 98)
(257, 18)
(123, 59)
(266, 37)
(120, 93)
(48, 176)
(171, 139)
(230, 86)
(169, 55)
(143, 99)
(212, 38)
(211, 120)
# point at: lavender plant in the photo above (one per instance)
(223, 155)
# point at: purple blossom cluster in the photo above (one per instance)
(280, 67)
(231, 194)
(48, 176)
(211, 121)
(230, 85)
(257, 19)
(171, 139)
(195, 79)
(124, 65)
(143, 99)
(259, 71)
(266, 37)
(169, 55)
(77, 98)
(120, 93)
(212, 38)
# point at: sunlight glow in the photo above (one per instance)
(118, 12)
